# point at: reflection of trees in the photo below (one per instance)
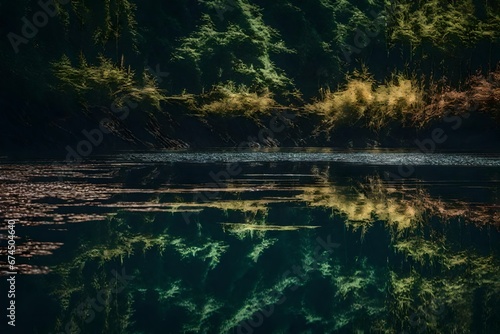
(442, 275)
(89, 271)
(437, 276)
(400, 206)
(407, 259)
(121, 241)
(364, 204)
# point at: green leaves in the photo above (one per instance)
(240, 49)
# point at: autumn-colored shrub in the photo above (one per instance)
(482, 94)
(367, 103)
(232, 100)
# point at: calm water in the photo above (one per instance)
(257, 242)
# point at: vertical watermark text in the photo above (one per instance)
(11, 280)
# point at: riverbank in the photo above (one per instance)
(362, 113)
(176, 128)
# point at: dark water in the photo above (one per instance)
(258, 242)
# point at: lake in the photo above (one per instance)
(276, 241)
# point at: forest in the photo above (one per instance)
(207, 73)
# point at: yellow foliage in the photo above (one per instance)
(229, 99)
(376, 105)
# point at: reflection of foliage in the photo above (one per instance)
(248, 206)
(260, 248)
(424, 252)
(243, 227)
(419, 269)
(363, 205)
(257, 298)
(399, 207)
(117, 241)
(120, 244)
(427, 295)
(210, 252)
(445, 294)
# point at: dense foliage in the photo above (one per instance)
(63, 57)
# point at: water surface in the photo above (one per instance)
(256, 242)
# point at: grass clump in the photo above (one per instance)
(362, 101)
(482, 94)
(106, 83)
(230, 99)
